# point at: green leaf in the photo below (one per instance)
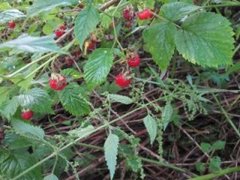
(37, 100)
(72, 73)
(159, 41)
(151, 126)
(27, 129)
(200, 167)
(98, 66)
(177, 10)
(51, 177)
(120, 99)
(33, 44)
(81, 132)
(215, 164)
(9, 108)
(73, 100)
(218, 145)
(206, 147)
(12, 163)
(86, 23)
(206, 39)
(166, 115)
(10, 14)
(111, 151)
(47, 5)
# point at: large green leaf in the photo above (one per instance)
(151, 127)
(10, 14)
(110, 152)
(86, 23)
(177, 10)
(27, 129)
(206, 39)
(37, 100)
(32, 44)
(73, 100)
(46, 5)
(98, 66)
(159, 40)
(9, 108)
(12, 163)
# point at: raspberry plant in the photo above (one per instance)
(73, 61)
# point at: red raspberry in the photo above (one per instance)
(134, 61)
(57, 82)
(122, 81)
(27, 114)
(59, 33)
(145, 14)
(11, 24)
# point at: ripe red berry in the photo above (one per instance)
(59, 33)
(57, 82)
(27, 114)
(128, 13)
(122, 81)
(145, 14)
(11, 24)
(134, 61)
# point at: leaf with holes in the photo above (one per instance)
(37, 100)
(12, 163)
(151, 127)
(110, 152)
(98, 66)
(33, 44)
(73, 100)
(206, 39)
(86, 23)
(159, 41)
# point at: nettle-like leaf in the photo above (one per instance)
(10, 14)
(206, 39)
(151, 126)
(33, 44)
(12, 163)
(37, 100)
(21, 127)
(166, 115)
(9, 108)
(177, 10)
(110, 152)
(159, 41)
(73, 100)
(86, 23)
(120, 99)
(98, 66)
(81, 132)
(47, 5)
